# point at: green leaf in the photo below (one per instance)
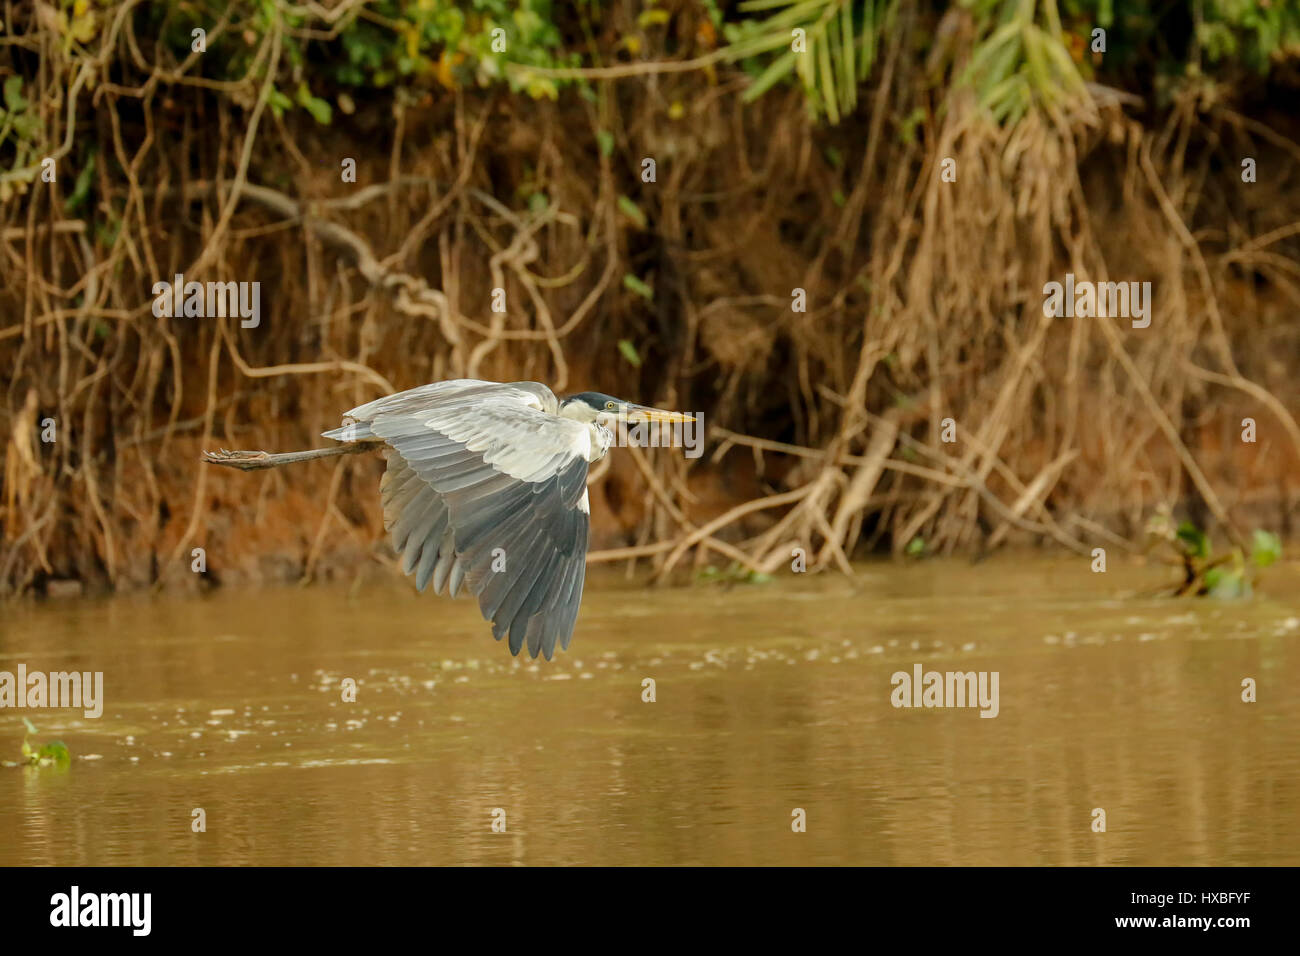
(848, 73)
(868, 41)
(81, 189)
(13, 94)
(540, 87)
(632, 211)
(319, 109)
(776, 71)
(82, 28)
(629, 352)
(1196, 541)
(55, 751)
(1002, 45)
(605, 140)
(649, 18)
(1265, 548)
(916, 547)
(279, 102)
(829, 98)
(907, 132)
(1225, 582)
(31, 728)
(709, 573)
(633, 284)
(753, 6)
(761, 44)
(838, 55)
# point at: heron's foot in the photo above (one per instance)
(243, 460)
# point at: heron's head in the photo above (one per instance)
(606, 410)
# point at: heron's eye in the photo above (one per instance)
(609, 405)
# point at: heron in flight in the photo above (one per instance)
(486, 491)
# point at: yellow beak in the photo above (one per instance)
(646, 413)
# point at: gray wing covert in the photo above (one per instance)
(486, 492)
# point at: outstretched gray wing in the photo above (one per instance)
(486, 488)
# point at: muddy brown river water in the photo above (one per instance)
(768, 698)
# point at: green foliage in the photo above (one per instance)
(13, 94)
(1184, 40)
(630, 209)
(731, 575)
(320, 110)
(20, 128)
(838, 47)
(54, 753)
(633, 284)
(1022, 58)
(629, 352)
(410, 43)
(1266, 548)
(1195, 542)
(81, 188)
(1026, 53)
(1227, 580)
(1228, 575)
(1248, 31)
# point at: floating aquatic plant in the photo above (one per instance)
(53, 753)
(1229, 574)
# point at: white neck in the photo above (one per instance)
(601, 439)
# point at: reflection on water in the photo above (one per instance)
(768, 698)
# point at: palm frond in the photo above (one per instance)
(1020, 62)
(840, 41)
